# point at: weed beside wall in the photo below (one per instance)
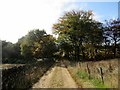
(24, 76)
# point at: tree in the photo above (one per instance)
(93, 39)
(30, 44)
(37, 44)
(48, 46)
(81, 28)
(7, 49)
(10, 52)
(65, 46)
(112, 33)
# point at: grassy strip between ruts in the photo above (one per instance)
(83, 81)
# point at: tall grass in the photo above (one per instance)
(99, 74)
(96, 82)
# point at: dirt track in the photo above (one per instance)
(57, 77)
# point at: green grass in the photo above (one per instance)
(82, 75)
(96, 82)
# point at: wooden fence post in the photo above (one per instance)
(101, 73)
(88, 71)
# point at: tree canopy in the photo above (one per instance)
(80, 29)
(80, 37)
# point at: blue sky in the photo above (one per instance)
(20, 16)
(102, 10)
(106, 10)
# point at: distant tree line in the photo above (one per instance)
(35, 45)
(80, 37)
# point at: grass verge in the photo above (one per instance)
(83, 80)
(96, 82)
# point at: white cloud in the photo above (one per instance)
(72, 6)
(97, 16)
(17, 17)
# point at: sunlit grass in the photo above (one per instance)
(96, 82)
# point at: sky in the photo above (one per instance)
(18, 17)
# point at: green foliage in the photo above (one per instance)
(49, 46)
(37, 44)
(10, 52)
(78, 28)
(80, 37)
(112, 34)
(30, 44)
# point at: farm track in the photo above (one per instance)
(57, 77)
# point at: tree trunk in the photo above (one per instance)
(78, 49)
(105, 50)
(105, 47)
(83, 54)
(96, 53)
(75, 53)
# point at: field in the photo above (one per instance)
(8, 66)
